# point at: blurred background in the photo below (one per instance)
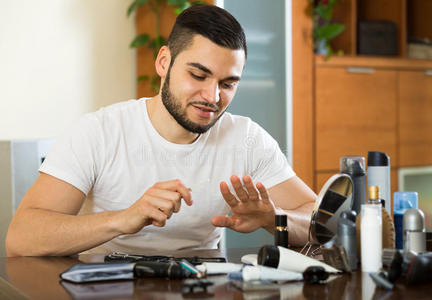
(327, 78)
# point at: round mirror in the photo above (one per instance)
(335, 197)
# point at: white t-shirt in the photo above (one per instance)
(115, 155)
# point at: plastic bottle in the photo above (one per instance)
(371, 237)
(346, 236)
(388, 230)
(378, 174)
(414, 231)
(387, 226)
(354, 166)
(402, 202)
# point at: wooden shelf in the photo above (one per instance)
(412, 18)
(373, 61)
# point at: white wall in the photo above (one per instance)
(60, 59)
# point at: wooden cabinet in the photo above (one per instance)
(412, 19)
(415, 118)
(330, 112)
(371, 104)
(355, 113)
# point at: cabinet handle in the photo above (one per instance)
(428, 72)
(360, 70)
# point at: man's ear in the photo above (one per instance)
(163, 61)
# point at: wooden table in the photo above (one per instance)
(38, 278)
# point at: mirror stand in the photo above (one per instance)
(334, 198)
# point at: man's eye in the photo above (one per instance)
(201, 78)
(228, 85)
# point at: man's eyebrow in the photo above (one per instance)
(201, 67)
(207, 70)
(232, 78)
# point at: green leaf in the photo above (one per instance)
(181, 8)
(177, 2)
(178, 10)
(157, 42)
(186, 5)
(324, 11)
(141, 40)
(161, 40)
(329, 31)
(135, 5)
(142, 78)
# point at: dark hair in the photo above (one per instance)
(210, 21)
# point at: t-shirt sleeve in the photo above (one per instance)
(75, 157)
(267, 162)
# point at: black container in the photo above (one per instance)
(378, 37)
(281, 231)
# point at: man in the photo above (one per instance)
(139, 159)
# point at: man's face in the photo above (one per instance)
(201, 83)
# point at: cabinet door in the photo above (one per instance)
(415, 118)
(355, 113)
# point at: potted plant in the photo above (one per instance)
(324, 27)
(155, 43)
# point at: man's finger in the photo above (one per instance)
(176, 186)
(238, 188)
(158, 217)
(227, 195)
(221, 221)
(175, 197)
(252, 191)
(164, 205)
(263, 192)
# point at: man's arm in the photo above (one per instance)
(297, 200)
(46, 222)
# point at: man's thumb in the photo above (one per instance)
(221, 221)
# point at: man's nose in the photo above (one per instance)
(211, 92)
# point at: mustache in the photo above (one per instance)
(209, 105)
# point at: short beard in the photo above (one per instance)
(173, 106)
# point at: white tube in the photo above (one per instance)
(219, 268)
(266, 273)
(297, 262)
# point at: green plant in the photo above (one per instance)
(324, 27)
(144, 39)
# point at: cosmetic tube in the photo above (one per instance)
(290, 260)
(219, 268)
(249, 273)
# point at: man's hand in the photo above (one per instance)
(154, 207)
(251, 209)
